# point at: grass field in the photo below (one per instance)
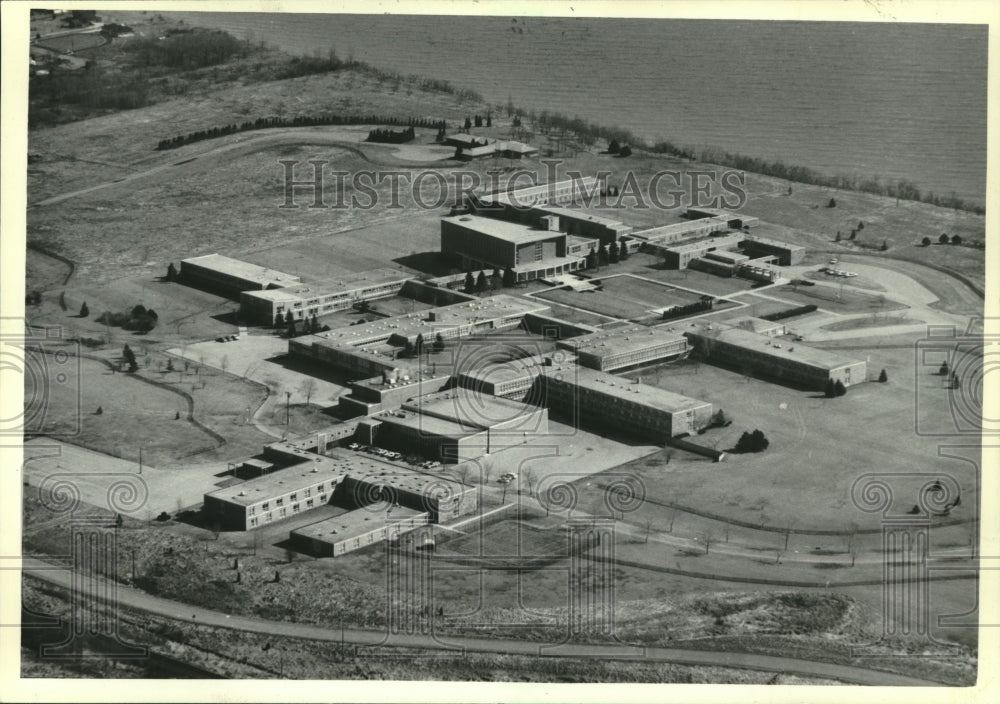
(846, 300)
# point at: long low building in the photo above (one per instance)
(621, 348)
(356, 529)
(377, 347)
(320, 298)
(316, 480)
(678, 256)
(599, 399)
(785, 252)
(230, 277)
(460, 425)
(761, 355)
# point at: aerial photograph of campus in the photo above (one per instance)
(540, 349)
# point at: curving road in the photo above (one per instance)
(135, 599)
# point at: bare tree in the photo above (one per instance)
(648, 529)
(529, 478)
(224, 364)
(308, 388)
(708, 538)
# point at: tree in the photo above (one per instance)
(830, 391)
(752, 442)
(171, 272)
(84, 310)
(885, 245)
(883, 377)
(602, 255)
(496, 280)
(955, 239)
(289, 318)
(926, 242)
(837, 239)
(308, 388)
(291, 331)
(861, 225)
(623, 250)
(509, 277)
(943, 369)
(468, 123)
(470, 283)
(99, 411)
(489, 119)
(481, 283)
(418, 345)
(279, 320)
(832, 203)
(438, 343)
(614, 147)
(943, 239)
(854, 234)
(129, 356)
(839, 388)
(224, 363)
(592, 259)
(613, 253)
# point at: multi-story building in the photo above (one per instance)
(477, 242)
(621, 348)
(230, 277)
(603, 400)
(320, 298)
(761, 355)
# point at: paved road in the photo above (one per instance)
(135, 599)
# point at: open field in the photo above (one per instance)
(846, 300)
(133, 414)
(804, 477)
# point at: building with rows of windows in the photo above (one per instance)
(759, 354)
(321, 298)
(600, 400)
(622, 348)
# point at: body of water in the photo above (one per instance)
(901, 101)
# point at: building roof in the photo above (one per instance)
(622, 340)
(681, 227)
(512, 145)
(470, 408)
(763, 344)
(703, 244)
(241, 269)
(410, 325)
(325, 287)
(625, 389)
(758, 325)
(354, 523)
(512, 232)
(579, 214)
(773, 242)
(314, 469)
(428, 425)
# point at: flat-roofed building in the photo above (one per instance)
(460, 424)
(581, 223)
(603, 400)
(771, 328)
(279, 494)
(621, 348)
(683, 230)
(761, 355)
(370, 396)
(478, 242)
(736, 221)
(442, 498)
(556, 193)
(230, 277)
(377, 347)
(321, 298)
(786, 253)
(678, 256)
(356, 529)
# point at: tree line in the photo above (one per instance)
(262, 123)
(391, 136)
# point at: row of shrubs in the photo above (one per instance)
(791, 312)
(391, 136)
(704, 304)
(299, 121)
